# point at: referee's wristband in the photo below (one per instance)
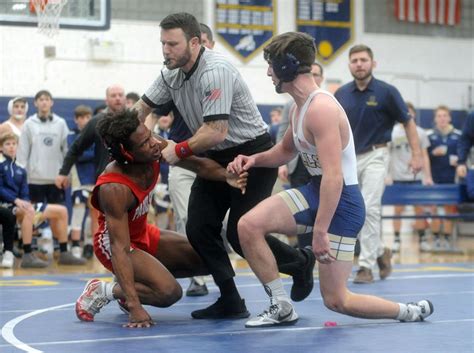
(183, 150)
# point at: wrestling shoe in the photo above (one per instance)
(196, 289)
(278, 314)
(223, 309)
(303, 282)
(91, 300)
(418, 311)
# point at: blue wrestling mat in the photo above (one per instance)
(37, 315)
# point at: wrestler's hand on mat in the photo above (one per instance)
(321, 248)
(241, 164)
(238, 181)
(139, 318)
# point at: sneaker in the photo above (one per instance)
(91, 300)
(67, 258)
(195, 289)
(396, 246)
(30, 260)
(7, 260)
(278, 314)
(418, 311)
(385, 263)
(88, 251)
(122, 303)
(364, 275)
(76, 251)
(425, 246)
(223, 310)
(303, 282)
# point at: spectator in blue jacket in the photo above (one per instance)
(466, 142)
(82, 183)
(14, 195)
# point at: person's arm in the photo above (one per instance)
(115, 200)
(6, 194)
(81, 144)
(416, 162)
(143, 109)
(208, 169)
(323, 122)
(64, 144)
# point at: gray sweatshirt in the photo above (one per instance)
(42, 148)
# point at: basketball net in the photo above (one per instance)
(47, 12)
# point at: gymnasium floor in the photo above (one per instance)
(37, 315)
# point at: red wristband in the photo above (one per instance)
(183, 150)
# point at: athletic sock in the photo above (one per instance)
(403, 311)
(63, 247)
(421, 234)
(397, 236)
(27, 248)
(275, 290)
(109, 290)
(76, 243)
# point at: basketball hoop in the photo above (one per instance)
(48, 12)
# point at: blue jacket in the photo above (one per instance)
(466, 141)
(13, 183)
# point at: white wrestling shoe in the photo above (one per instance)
(278, 314)
(91, 300)
(418, 311)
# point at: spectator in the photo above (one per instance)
(275, 119)
(466, 141)
(42, 147)
(8, 222)
(14, 194)
(17, 110)
(82, 183)
(130, 99)
(373, 106)
(399, 173)
(443, 158)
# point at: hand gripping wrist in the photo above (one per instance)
(183, 150)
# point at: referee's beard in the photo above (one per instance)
(181, 61)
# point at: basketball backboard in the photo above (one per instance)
(76, 14)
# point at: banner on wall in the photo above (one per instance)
(245, 26)
(329, 22)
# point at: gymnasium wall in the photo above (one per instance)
(427, 70)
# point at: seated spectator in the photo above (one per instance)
(7, 221)
(443, 158)
(400, 173)
(466, 142)
(14, 195)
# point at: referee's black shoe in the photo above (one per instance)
(303, 282)
(223, 309)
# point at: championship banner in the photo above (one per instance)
(329, 22)
(245, 26)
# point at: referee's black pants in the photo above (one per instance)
(208, 205)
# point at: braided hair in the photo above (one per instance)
(115, 130)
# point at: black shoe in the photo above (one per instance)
(196, 290)
(303, 282)
(88, 251)
(221, 309)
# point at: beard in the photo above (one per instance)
(362, 75)
(181, 61)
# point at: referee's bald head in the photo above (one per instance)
(185, 21)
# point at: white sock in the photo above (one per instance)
(275, 290)
(402, 314)
(109, 290)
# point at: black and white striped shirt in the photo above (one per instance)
(212, 90)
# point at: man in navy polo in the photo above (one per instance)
(373, 107)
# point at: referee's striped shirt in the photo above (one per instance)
(212, 90)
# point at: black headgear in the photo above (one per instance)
(286, 67)
(119, 153)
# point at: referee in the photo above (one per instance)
(216, 104)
